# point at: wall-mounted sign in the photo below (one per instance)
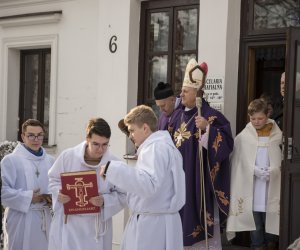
(214, 92)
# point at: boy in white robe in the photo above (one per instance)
(155, 186)
(255, 179)
(24, 175)
(85, 231)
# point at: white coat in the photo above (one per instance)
(26, 225)
(156, 192)
(83, 231)
(242, 178)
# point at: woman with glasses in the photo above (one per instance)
(24, 191)
(90, 230)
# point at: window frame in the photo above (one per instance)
(249, 24)
(153, 7)
(42, 53)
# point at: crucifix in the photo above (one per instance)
(80, 191)
(37, 173)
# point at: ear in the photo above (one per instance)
(22, 136)
(146, 127)
(195, 91)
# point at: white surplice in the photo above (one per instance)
(243, 161)
(83, 231)
(156, 192)
(26, 225)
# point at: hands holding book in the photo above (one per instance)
(97, 201)
(63, 198)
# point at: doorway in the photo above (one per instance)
(259, 76)
(269, 65)
(265, 65)
(268, 46)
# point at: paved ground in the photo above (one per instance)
(227, 246)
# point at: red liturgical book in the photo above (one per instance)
(80, 186)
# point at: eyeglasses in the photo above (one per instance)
(96, 145)
(33, 137)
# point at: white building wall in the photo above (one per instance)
(76, 79)
(219, 32)
(118, 76)
(91, 81)
(117, 72)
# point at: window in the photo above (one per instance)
(168, 39)
(269, 15)
(35, 87)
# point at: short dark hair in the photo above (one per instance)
(257, 105)
(33, 123)
(99, 127)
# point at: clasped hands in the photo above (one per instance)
(97, 201)
(262, 173)
(37, 197)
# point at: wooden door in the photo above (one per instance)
(290, 186)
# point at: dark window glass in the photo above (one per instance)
(159, 31)
(271, 14)
(35, 87)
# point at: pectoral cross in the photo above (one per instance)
(37, 173)
(181, 135)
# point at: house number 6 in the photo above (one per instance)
(112, 44)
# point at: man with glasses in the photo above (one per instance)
(24, 191)
(85, 231)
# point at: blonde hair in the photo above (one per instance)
(258, 105)
(142, 114)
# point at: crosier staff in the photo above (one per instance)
(200, 72)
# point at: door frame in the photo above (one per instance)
(290, 175)
(246, 80)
